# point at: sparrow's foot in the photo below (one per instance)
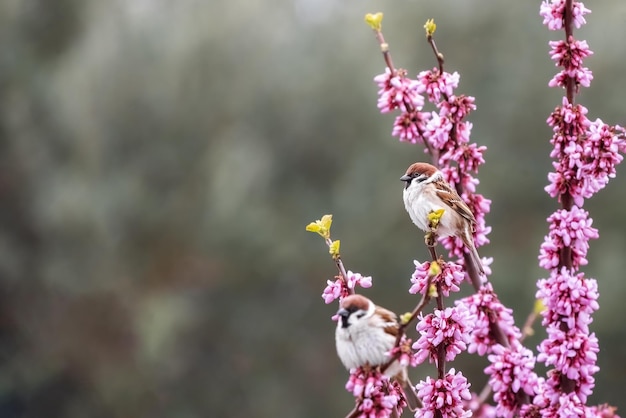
(430, 239)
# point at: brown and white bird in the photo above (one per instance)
(364, 336)
(426, 191)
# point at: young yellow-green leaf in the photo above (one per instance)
(375, 21)
(333, 249)
(539, 306)
(432, 291)
(314, 227)
(405, 317)
(434, 216)
(430, 27)
(434, 269)
(321, 226)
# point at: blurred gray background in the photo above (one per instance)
(159, 161)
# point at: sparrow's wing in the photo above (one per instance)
(390, 320)
(448, 195)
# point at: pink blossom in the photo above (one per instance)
(449, 328)
(457, 107)
(404, 352)
(569, 54)
(567, 229)
(569, 298)
(355, 279)
(438, 130)
(445, 396)
(603, 411)
(573, 353)
(568, 118)
(581, 76)
(340, 288)
(485, 306)
(396, 91)
(450, 174)
(334, 290)
(553, 403)
(410, 126)
(600, 156)
(511, 374)
(436, 84)
(553, 13)
(378, 397)
(468, 156)
(448, 280)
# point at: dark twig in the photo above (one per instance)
(340, 267)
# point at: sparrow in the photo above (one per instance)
(426, 191)
(364, 336)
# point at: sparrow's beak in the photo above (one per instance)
(344, 315)
(406, 177)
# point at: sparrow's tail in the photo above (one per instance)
(476, 258)
(469, 243)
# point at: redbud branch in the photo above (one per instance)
(355, 412)
(484, 396)
(527, 329)
(438, 54)
(567, 385)
(384, 48)
(340, 267)
(569, 33)
(570, 88)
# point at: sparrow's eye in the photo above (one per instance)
(360, 315)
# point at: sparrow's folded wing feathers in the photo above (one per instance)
(452, 198)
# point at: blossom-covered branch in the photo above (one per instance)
(585, 156)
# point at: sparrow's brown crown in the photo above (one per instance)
(353, 303)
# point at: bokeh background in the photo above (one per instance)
(159, 161)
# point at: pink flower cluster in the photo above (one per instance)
(448, 280)
(553, 13)
(404, 352)
(568, 228)
(586, 153)
(485, 307)
(449, 328)
(511, 375)
(569, 298)
(339, 288)
(446, 396)
(380, 398)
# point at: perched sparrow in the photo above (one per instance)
(365, 334)
(427, 191)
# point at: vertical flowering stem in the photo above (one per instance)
(586, 154)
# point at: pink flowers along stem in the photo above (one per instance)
(585, 156)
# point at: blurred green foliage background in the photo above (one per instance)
(159, 161)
